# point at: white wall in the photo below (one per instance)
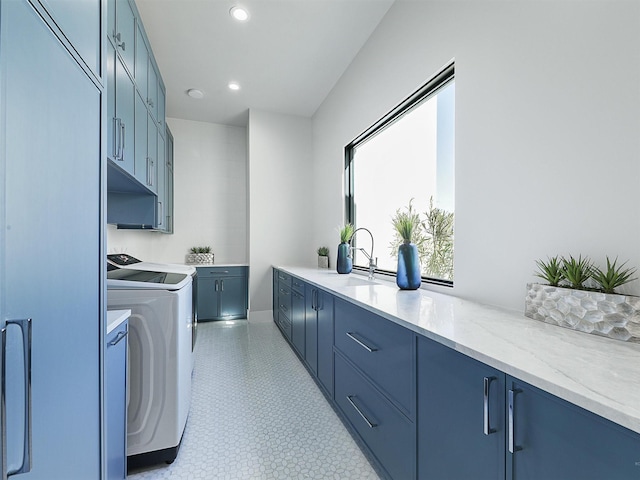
(210, 198)
(280, 205)
(547, 130)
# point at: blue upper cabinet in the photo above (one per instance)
(120, 108)
(122, 30)
(142, 62)
(80, 22)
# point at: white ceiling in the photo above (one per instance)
(287, 57)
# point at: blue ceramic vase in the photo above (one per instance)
(344, 263)
(408, 276)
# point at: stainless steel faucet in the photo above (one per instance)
(372, 262)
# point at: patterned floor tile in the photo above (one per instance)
(257, 414)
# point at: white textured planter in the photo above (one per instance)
(609, 315)
(323, 261)
(196, 258)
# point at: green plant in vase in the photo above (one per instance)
(345, 262)
(613, 276)
(408, 227)
(323, 257)
(577, 271)
(551, 271)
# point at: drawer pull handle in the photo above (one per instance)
(118, 338)
(363, 345)
(487, 430)
(364, 417)
(512, 428)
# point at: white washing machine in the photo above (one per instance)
(124, 260)
(160, 359)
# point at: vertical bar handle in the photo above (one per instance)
(25, 328)
(116, 138)
(314, 299)
(123, 129)
(512, 428)
(486, 423)
(222, 285)
(216, 289)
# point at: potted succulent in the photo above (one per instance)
(345, 262)
(323, 257)
(582, 296)
(200, 255)
(407, 225)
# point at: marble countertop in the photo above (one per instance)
(115, 318)
(599, 374)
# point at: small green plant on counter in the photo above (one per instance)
(407, 225)
(200, 250)
(577, 271)
(614, 276)
(323, 251)
(551, 271)
(346, 233)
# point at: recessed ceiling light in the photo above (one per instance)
(239, 13)
(234, 86)
(195, 93)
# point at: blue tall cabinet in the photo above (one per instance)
(51, 235)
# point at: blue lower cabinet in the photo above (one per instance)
(324, 309)
(461, 416)
(382, 350)
(390, 435)
(556, 440)
(116, 402)
(222, 293)
(311, 328)
(297, 322)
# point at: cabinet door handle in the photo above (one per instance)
(116, 138)
(362, 344)
(222, 285)
(123, 130)
(512, 428)
(314, 299)
(216, 288)
(118, 338)
(161, 215)
(119, 42)
(487, 430)
(364, 417)
(25, 327)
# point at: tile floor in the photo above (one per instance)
(257, 414)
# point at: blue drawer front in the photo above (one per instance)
(221, 271)
(284, 278)
(297, 285)
(383, 350)
(390, 436)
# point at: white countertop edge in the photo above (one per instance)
(599, 374)
(223, 265)
(115, 319)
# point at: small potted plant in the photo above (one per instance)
(323, 257)
(345, 262)
(407, 224)
(581, 296)
(200, 255)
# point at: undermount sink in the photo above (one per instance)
(356, 282)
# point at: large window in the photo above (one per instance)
(405, 162)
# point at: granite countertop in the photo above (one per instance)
(599, 374)
(115, 319)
